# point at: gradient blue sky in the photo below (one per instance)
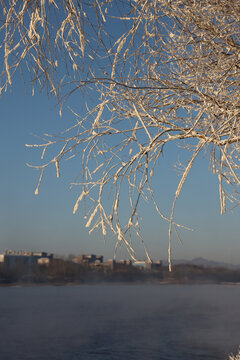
(45, 222)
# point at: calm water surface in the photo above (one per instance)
(172, 322)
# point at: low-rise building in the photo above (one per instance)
(109, 264)
(27, 258)
(125, 262)
(145, 265)
(148, 265)
(91, 259)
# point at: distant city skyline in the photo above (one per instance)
(46, 221)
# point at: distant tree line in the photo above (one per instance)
(60, 271)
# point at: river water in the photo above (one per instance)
(111, 322)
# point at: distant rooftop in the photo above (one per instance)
(27, 253)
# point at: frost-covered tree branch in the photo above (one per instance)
(159, 72)
(234, 357)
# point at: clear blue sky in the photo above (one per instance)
(45, 222)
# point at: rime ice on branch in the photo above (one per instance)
(160, 72)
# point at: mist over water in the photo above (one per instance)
(119, 322)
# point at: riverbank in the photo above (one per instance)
(66, 272)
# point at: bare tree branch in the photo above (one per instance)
(160, 72)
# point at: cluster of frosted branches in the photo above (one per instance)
(153, 72)
(236, 357)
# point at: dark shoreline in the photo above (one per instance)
(61, 273)
(104, 282)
